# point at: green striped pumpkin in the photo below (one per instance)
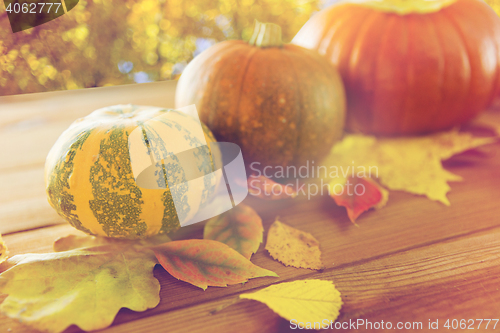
(89, 178)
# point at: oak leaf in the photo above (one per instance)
(411, 164)
(293, 247)
(305, 301)
(204, 262)
(267, 189)
(85, 287)
(358, 195)
(240, 228)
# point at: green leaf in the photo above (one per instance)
(240, 228)
(204, 263)
(85, 287)
(305, 301)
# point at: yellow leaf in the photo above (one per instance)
(411, 164)
(306, 301)
(86, 287)
(293, 247)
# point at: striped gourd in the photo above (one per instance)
(89, 178)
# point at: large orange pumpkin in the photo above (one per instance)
(410, 66)
(282, 104)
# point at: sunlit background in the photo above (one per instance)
(113, 42)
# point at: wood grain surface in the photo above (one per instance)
(413, 261)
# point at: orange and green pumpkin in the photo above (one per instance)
(282, 104)
(90, 181)
(410, 66)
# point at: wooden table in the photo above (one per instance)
(413, 261)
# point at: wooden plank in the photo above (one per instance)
(30, 124)
(364, 282)
(455, 279)
(413, 260)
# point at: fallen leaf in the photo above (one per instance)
(85, 287)
(265, 188)
(358, 195)
(293, 247)
(240, 228)
(204, 262)
(411, 164)
(305, 301)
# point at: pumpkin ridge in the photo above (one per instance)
(464, 85)
(410, 77)
(58, 187)
(300, 111)
(169, 206)
(443, 71)
(211, 120)
(378, 60)
(111, 205)
(166, 222)
(325, 46)
(360, 35)
(467, 51)
(496, 83)
(254, 50)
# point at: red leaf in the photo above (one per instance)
(240, 228)
(359, 195)
(204, 262)
(265, 188)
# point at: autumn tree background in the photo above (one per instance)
(111, 42)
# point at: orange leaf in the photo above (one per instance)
(204, 262)
(265, 188)
(240, 228)
(358, 195)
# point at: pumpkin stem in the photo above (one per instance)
(266, 35)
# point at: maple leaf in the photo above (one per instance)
(204, 262)
(411, 164)
(265, 188)
(240, 228)
(86, 287)
(293, 247)
(305, 301)
(358, 195)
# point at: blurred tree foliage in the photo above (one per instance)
(495, 4)
(112, 42)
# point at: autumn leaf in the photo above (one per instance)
(305, 301)
(204, 262)
(265, 188)
(411, 164)
(85, 287)
(358, 195)
(293, 247)
(240, 228)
